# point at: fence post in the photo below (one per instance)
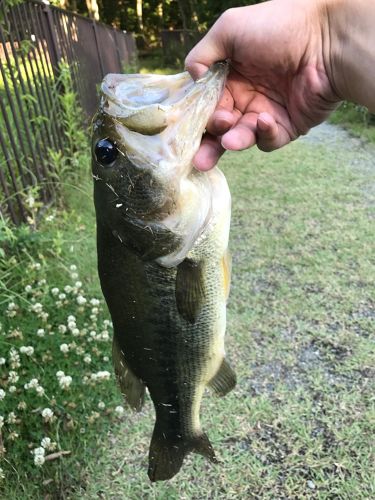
(56, 55)
(118, 53)
(98, 48)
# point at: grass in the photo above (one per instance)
(300, 335)
(153, 62)
(356, 119)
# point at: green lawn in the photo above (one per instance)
(300, 335)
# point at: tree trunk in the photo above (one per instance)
(140, 15)
(93, 8)
(188, 14)
(68, 5)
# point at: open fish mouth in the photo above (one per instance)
(161, 118)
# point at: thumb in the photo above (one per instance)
(208, 51)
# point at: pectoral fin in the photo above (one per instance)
(224, 380)
(131, 387)
(190, 289)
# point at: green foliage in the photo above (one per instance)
(68, 164)
(357, 119)
(33, 265)
(35, 122)
(166, 14)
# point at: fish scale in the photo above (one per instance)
(162, 254)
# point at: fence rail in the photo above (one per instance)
(34, 39)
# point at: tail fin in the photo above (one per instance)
(166, 455)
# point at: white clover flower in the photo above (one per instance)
(27, 349)
(65, 381)
(47, 414)
(105, 335)
(72, 325)
(44, 316)
(101, 405)
(14, 358)
(75, 332)
(87, 359)
(74, 276)
(60, 374)
(40, 332)
(12, 389)
(42, 282)
(100, 375)
(37, 307)
(94, 302)
(12, 306)
(68, 289)
(13, 377)
(79, 350)
(71, 318)
(62, 328)
(12, 419)
(39, 456)
(2, 394)
(1, 421)
(64, 348)
(37, 266)
(92, 333)
(45, 442)
(81, 300)
(2, 361)
(77, 284)
(28, 288)
(107, 323)
(119, 410)
(73, 268)
(55, 291)
(33, 384)
(22, 405)
(105, 359)
(62, 296)
(40, 390)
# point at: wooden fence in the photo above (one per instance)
(34, 38)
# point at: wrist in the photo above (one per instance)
(348, 48)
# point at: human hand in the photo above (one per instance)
(279, 85)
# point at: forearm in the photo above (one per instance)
(350, 63)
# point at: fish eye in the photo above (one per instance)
(106, 151)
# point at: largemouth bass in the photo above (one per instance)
(162, 238)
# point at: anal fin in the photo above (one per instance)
(224, 380)
(130, 385)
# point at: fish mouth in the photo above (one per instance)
(160, 119)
